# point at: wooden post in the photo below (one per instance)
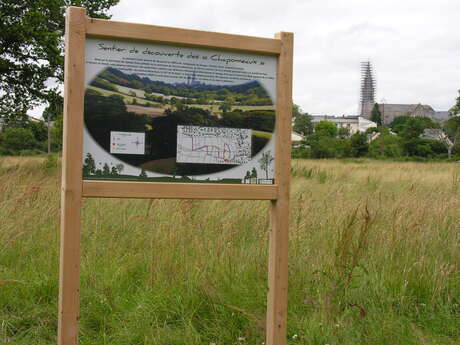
(278, 247)
(71, 192)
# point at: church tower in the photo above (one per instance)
(367, 99)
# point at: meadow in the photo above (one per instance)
(374, 259)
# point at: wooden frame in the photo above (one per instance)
(74, 188)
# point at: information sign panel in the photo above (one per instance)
(170, 113)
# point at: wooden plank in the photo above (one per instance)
(69, 276)
(163, 34)
(278, 247)
(122, 189)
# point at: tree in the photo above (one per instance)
(452, 125)
(89, 165)
(39, 130)
(359, 144)
(303, 124)
(265, 161)
(31, 49)
(14, 117)
(13, 140)
(414, 126)
(324, 147)
(56, 132)
(411, 127)
(296, 111)
(106, 169)
(398, 123)
(452, 129)
(343, 132)
(226, 105)
(386, 145)
(326, 128)
(376, 115)
(120, 167)
(254, 173)
(455, 110)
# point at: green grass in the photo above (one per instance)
(128, 99)
(194, 272)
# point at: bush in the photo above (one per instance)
(15, 140)
(424, 147)
(324, 147)
(344, 148)
(301, 152)
(359, 144)
(30, 152)
(388, 144)
(50, 162)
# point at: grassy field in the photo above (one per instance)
(374, 259)
(128, 99)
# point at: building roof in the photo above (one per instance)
(295, 137)
(403, 108)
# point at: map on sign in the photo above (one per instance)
(127, 142)
(213, 145)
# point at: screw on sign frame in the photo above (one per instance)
(74, 188)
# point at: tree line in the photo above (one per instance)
(399, 140)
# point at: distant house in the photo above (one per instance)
(435, 134)
(440, 135)
(353, 124)
(296, 139)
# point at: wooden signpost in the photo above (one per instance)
(79, 28)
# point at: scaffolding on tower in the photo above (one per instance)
(367, 99)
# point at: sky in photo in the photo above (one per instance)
(414, 45)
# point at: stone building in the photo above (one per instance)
(391, 111)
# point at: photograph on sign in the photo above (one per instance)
(164, 113)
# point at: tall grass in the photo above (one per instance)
(374, 259)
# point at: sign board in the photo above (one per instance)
(171, 113)
(157, 112)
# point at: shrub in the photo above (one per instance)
(30, 152)
(386, 145)
(324, 147)
(301, 152)
(359, 144)
(14, 140)
(424, 147)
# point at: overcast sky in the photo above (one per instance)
(414, 45)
